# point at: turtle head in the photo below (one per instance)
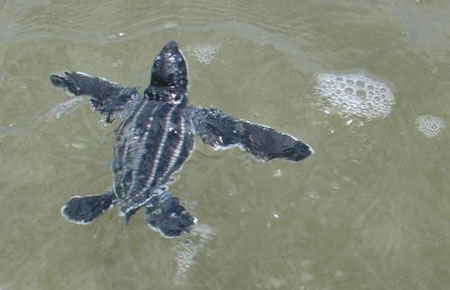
(169, 80)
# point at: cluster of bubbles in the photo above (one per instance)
(355, 94)
(430, 126)
(205, 53)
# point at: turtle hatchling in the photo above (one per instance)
(155, 136)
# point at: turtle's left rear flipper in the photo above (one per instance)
(165, 215)
(84, 209)
(222, 131)
(105, 96)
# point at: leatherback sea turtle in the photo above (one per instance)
(156, 136)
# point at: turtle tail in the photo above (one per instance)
(84, 209)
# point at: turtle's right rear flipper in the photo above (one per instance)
(105, 96)
(165, 215)
(84, 209)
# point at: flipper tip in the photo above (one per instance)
(301, 151)
(58, 81)
(84, 209)
(66, 82)
(65, 214)
(172, 44)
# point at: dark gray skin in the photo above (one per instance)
(155, 137)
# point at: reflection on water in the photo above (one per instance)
(370, 209)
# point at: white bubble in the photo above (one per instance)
(276, 214)
(115, 35)
(78, 145)
(278, 173)
(355, 94)
(430, 126)
(205, 53)
(170, 25)
(335, 185)
(348, 90)
(360, 83)
(306, 277)
(116, 64)
(361, 93)
(276, 283)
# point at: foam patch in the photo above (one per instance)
(355, 94)
(430, 126)
(205, 53)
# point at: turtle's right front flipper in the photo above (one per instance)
(165, 215)
(106, 97)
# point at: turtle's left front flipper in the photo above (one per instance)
(222, 131)
(105, 96)
(165, 215)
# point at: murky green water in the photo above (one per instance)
(370, 210)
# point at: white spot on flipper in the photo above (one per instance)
(188, 249)
(430, 126)
(355, 94)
